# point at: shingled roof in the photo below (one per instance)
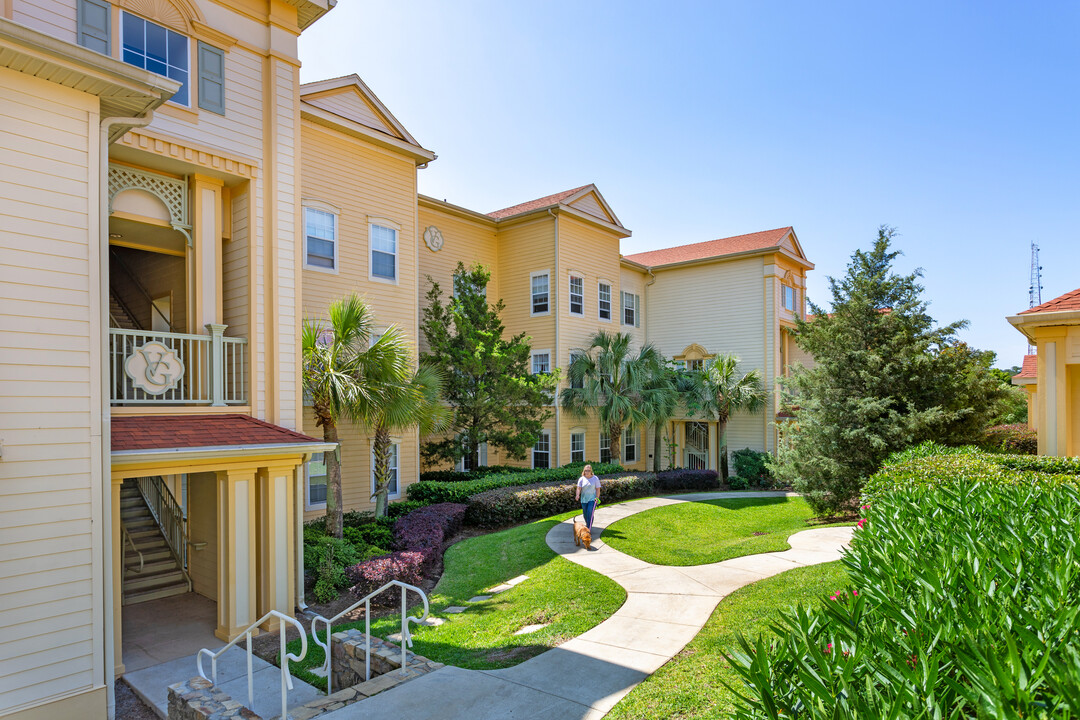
(712, 248)
(546, 201)
(1030, 368)
(175, 432)
(1063, 303)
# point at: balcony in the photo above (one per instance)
(166, 368)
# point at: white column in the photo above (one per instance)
(1048, 388)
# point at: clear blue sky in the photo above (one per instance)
(956, 122)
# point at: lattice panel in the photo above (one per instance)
(170, 191)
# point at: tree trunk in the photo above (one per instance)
(381, 450)
(656, 447)
(474, 456)
(615, 442)
(721, 441)
(333, 478)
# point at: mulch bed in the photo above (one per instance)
(130, 706)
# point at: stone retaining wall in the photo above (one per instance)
(347, 648)
(198, 699)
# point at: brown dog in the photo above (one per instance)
(582, 534)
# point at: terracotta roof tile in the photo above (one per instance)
(712, 248)
(546, 201)
(1063, 303)
(1030, 368)
(168, 432)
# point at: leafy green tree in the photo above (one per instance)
(611, 381)
(721, 390)
(339, 362)
(1013, 408)
(490, 388)
(885, 377)
(659, 402)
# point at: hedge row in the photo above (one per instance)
(462, 476)
(460, 492)
(1011, 439)
(506, 505)
(962, 605)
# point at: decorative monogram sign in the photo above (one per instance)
(154, 368)
(433, 237)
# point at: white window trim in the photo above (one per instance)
(307, 490)
(193, 98)
(569, 292)
(584, 444)
(635, 433)
(331, 210)
(373, 220)
(551, 299)
(394, 441)
(611, 290)
(532, 361)
(622, 308)
(532, 452)
(600, 447)
(573, 353)
(481, 459)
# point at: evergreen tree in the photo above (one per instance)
(488, 383)
(885, 376)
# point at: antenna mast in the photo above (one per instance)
(1035, 288)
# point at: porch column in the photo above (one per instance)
(117, 578)
(1048, 381)
(205, 265)
(276, 542)
(714, 442)
(236, 552)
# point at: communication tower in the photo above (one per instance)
(1035, 289)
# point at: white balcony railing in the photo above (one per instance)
(162, 368)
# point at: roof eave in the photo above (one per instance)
(134, 457)
(1029, 321)
(456, 210)
(562, 208)
(328, 119)
(735, 256)
(1017, 380)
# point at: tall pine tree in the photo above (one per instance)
(884, 377)
(493, 395)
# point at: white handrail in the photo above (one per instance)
(129, 541)
(286, 677)
(406, 636)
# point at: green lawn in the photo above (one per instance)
(570, 597)
(696, 533)
(690, 685)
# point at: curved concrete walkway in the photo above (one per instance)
(585, 677)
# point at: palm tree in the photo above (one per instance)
(338, 360)
(659, 401)
(608, 379)
(719, 391)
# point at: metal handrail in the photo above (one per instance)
(168, 515)
(134, 281)
(126, 540)
(286, 677)
(406, 636)
(113, 295)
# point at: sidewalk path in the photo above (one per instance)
(585, 677)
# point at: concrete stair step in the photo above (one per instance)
(156, 567)
(149, 556)
(151, 581)
(139, 596)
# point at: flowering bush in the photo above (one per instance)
(1017, 438)
(404, 566)
(428, 527)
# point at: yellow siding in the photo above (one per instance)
(633, 280)
(466, 241)
(202, 528)
(236, 268)
(53, 17)
(349, 104)
(50, 549)
(522, 250)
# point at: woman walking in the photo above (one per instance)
(588, 493)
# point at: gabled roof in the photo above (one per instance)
(766, 240)
(349, 97)
(184, 432)
(1070, 301)
(586, 199)
(1030, 368)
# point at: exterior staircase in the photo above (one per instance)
(160, 575)
(119, 315)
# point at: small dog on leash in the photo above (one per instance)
(582, 534)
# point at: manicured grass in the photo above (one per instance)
(696, 533)
(569, 597)
(691, 684)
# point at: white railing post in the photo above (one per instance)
(217, 364)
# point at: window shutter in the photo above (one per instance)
(211, 78)
(95, 18)
(637, 311)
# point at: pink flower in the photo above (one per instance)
(854, 592)
(828, 648)
(862, 521)
(864, 507)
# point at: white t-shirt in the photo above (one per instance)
(589, 487)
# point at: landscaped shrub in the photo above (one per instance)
(1011, 439)
(506, 505)
(428, 527)
(737, 482)
(402, 507)
(751, 465)
(328, 557)
(964, 579)
(461, 476)
(404, 566)
(430, 493)
(673, 481)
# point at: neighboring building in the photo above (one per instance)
(1054, 397)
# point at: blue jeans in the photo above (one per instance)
(587, 510)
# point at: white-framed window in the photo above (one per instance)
(603, 293)
(158, 49)
(631, 309)
(383, 252)
(465, 463)
(539, 286)
(395, 484)
(605, 448)
(315, 482)
(695, 365)
(575, 383)
(541, 362)
(679, 364)
(577, 446)
(320, 243)
(577, 295)
(790, 297)
(541, 453)
(630, 445)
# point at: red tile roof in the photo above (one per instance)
(712, 248)
(170, 432)
(546, 201)
(1066, 302)
(1030, 367)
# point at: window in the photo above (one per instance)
(393, 491)
(630, 445)
(155, 48)
(465, 463)
(383, 252)
(580, 383)
(679, 364)
(695, 365)
(605, 448)
(211, 78)
(541, 362)
(577, 295)
(320, 229)
(541, 454)
(604, 293)
(577, 447)
(631, 309)
(789, 297)
(316, 480)
(539, 283)
(95, 25)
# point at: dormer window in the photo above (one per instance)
(155, 48)
(789, 297)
